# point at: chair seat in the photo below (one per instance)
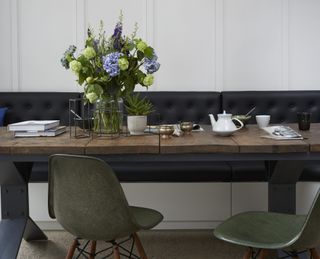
(146, 218)
(261, 229)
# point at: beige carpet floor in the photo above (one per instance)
(159, 244)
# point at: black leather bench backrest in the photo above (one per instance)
(171, 107)
(281, 105)
(36, 106)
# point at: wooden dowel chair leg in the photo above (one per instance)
(314, 254)
(263, 254)
(93, 249)
(248, 253)
(139, 246)
(72, 249)
(116, 253)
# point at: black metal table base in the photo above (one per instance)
(16, 222)
(283, 176)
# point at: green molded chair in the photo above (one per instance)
(266, 230)
(87, 200)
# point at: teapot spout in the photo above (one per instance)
(212, 120)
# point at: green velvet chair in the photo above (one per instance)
(265, 231)
(87, 200)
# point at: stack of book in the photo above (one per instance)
(37, 128)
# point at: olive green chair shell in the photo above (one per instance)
(267, 230)
(87, 200)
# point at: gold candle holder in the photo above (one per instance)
(166, 131)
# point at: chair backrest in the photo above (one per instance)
(310, 233)
(86, 198)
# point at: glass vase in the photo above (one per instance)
(108, 117)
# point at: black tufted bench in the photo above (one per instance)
(36, 106)
(170, 108)
(283, 107)
(188, 106)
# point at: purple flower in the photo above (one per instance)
(118, 42)
(96, 45)
(151, 65)
(117, 30)
(110, 63)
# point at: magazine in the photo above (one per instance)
(281, 133)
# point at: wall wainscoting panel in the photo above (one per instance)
(304, 42)
(6, 45)
(184, 39)
(252, 45)
(185, 205)
(46, 29)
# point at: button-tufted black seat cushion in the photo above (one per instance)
(36, 106)
(172, 107)
(283, 107)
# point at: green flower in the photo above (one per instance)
(75, 66)
(92, 97)
(89, 80)
(123, 63)
(148, 80)
(142, 46)
(89, 52)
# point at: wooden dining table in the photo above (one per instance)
(284, 161)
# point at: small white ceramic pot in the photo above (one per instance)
(137, 124)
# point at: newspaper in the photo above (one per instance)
(281, 133)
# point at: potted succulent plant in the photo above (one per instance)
(137, 109)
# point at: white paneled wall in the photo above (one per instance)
(211, 45)
(185, 40)
(304, 42)
(201, 44)
(252, 45)
(5, 46)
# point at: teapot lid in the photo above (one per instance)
(224, 114)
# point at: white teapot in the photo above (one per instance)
(224, 126)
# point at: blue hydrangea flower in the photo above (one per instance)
(68, 53)
(151, 65)
(110, 63)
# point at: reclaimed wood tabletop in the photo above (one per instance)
(250, 140)
(198, 142)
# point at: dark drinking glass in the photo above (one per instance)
(304, 120)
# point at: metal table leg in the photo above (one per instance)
(16, 222)
(283, 176)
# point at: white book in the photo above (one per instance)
(47, 133)
(33, 125)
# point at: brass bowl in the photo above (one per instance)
(166, 131)
(186, 127)
(244, 119)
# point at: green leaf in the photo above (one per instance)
(140, 55)
(148, 52)
(138, 106)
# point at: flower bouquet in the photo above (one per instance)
(109, 69)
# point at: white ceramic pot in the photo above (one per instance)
(137, 124)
